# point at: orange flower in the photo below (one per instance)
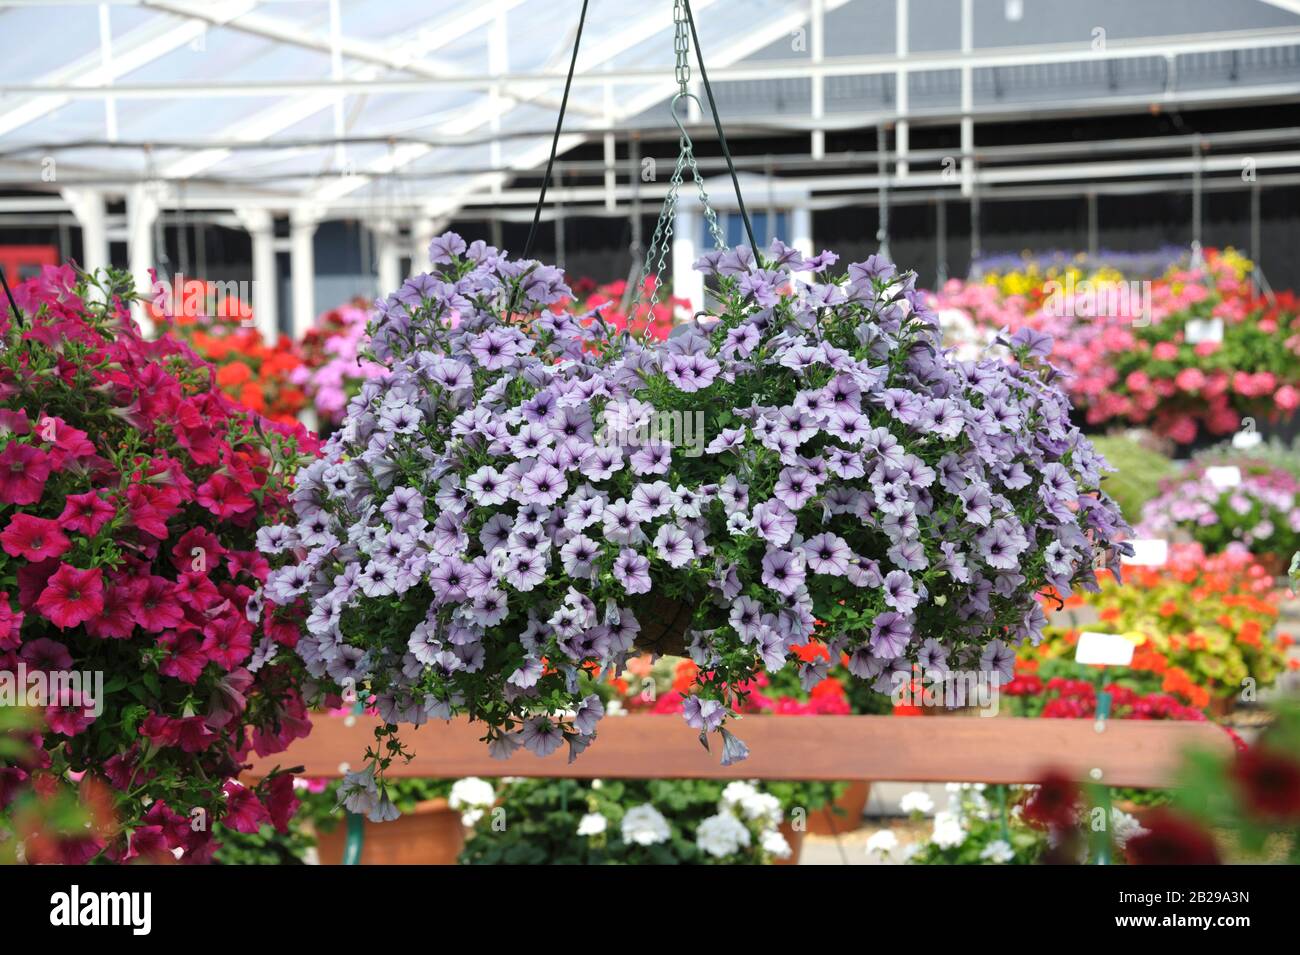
(811, 651)
(1168, 608)
(685, 676)
(236, 373)
(1249, 633)
(1110, 613)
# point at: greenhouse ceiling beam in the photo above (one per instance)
(264, 125)
(404, 55)
(476, 117)
(742, 45)
(1026, 55)
(131, 52)
(736, 128)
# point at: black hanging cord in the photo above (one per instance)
(13, 305)
(717, 124)
(555, 141)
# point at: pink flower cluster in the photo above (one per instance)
(131, 490)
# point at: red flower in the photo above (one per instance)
(150, 508)
(223, 496)
(71, 714)
(23, 472)
(1054, 802)
(197, 551)
(228, 641)
(33, 538)
(1171, 839)
(1270, 784)
(281, 801)
(153, 604)
(46, 654)
(190, 733)
(11, 622)
(114, 622)
(186, 660)
(86, 513)
(72, 596)
(244, 811)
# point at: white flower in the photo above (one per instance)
(470, 817)
(882, 844)
(615, 708)
(592, 824)
(948, 833)
(763, 808)
(999, 850)
(644, 825)
(471, 792)
(1124, 826)
(774, 844)
(737, 792)
(722, 835)
(916, 801)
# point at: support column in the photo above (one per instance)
(141, 216)
(389, 253)
(967, 100)
(302, 268)
(260, 224)
(687, 283)
(88, 206)
(801, 231)
(423, 231)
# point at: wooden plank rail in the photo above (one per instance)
(1141, 753)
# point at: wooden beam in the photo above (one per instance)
(1142, 753)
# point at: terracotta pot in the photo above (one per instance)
(1276, 564)
(1221, 706)
(432, 834)
(827, 822)
(795, 838)
(663, 625)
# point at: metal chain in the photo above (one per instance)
(661, 241)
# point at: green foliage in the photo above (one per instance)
(1139, 472)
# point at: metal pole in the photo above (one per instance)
(1197, 158)
(882, 165)
(941, 241)
(1092, 224)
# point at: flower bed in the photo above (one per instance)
(1261, 513)
(131, 490)
(259, 376)
(1206, 623)
(334, 366)
(1129, 360)
(637, 822)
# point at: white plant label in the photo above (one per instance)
(1148, 552)
(1104, 649)
(1224, 477)
(1245, 440)
(1198, 330)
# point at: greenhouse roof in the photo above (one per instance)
(368, 105)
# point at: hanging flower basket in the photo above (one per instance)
(530, 494)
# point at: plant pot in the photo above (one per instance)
(795, 838)
(1221, 706)
(663, 625)
(1277, 565)
(827, 822)
(431, 834)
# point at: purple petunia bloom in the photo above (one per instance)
(632, 571)
(890, 634)
(783, 570)
(827, 554)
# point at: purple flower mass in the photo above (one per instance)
(483, 508)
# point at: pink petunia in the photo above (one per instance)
(33, 538)
(223, 497)
(23, 473)
(86, 513)
(72, 596)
